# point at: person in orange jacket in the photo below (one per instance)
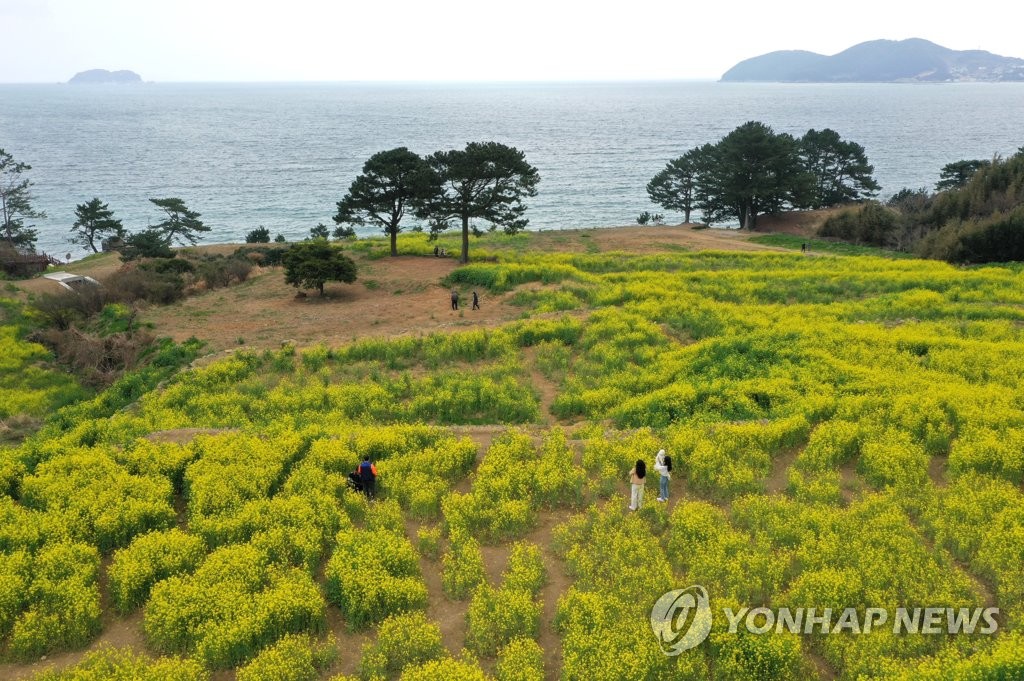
(368, 477)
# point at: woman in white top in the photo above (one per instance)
(664, 468)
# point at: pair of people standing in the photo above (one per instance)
(455, 300)
(638, 477)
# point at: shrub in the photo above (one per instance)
(149, 243)
(63, 604)
(521, 660)
(149, 559)
(130, 285)
(497, 616)
(122, 664)
(293, 658)
(269, 256)
(218, 271)
(232, 606)
(525, 568)
(170, 265)
(260, 235)
(446, 668)
(402, 640)
(429, 542)
(462, 567)
(374, 574)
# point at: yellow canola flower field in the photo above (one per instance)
(846, 433)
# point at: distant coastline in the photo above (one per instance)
(880, 61)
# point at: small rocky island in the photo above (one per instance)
(104, 77)
(880, 61)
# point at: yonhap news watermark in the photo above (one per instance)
(681, 619)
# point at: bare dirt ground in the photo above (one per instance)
(392, 297)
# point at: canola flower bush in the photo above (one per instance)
(445, 668)
(57, 605)
(602, 619)
(511, 482)
(525, 569)
(521, 660)
(295, 657)
(122, 664)
(497, 616)
(98, 500)
(403, 640)
(462, 566)
(29, 385)
(147, 560)
(373, 574)
(234, 604)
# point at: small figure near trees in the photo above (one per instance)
(485, 181)
(455, 299)
(803, 248)
(311, 264)
(476, 301)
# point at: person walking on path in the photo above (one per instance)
(455, 299)
(663, 466)
(368, 477)
(476, 301)
(637, 478)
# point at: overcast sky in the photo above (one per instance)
(462, 40)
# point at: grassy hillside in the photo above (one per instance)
(846, 431)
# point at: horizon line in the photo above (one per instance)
(702, 79)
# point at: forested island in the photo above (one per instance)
(104, 77)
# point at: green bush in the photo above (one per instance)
(260, 235)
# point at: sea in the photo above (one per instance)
(282, 155)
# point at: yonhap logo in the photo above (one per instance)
(681, 619)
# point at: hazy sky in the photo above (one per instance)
(313, 40)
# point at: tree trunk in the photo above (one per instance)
(465, 240)
(321, 287)
(394, 241)
(686, 216)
